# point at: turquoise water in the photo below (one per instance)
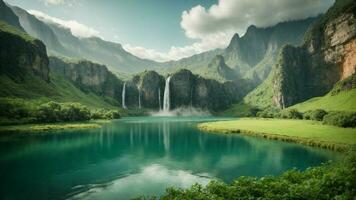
(136, 156)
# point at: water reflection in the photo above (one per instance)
(109, 161)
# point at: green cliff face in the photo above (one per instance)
(89, 76)
(326, 57)
(19, 54)
(150, 85)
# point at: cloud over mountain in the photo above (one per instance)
(77, 29)
(237, 15)
(214, 27)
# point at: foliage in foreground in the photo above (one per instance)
(51, 112)
(329, 181)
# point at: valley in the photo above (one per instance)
(269, 116)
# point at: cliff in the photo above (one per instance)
(89, 76)
(327, 56)
(21, 54)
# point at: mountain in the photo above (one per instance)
(252, 55)
(218, 70)
(8, 16)
(25, 73)
(61, 42)
(326, 57)
(40, 30)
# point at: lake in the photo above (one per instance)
(138, 156)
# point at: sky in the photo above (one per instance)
(165, 30)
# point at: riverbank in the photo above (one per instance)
(305, 132)
(53, 126)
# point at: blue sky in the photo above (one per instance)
(171, 29)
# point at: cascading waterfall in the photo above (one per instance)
(139, 98)
(124, 96)
(166, 97)
(159, 99)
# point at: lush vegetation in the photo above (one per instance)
(54, 126)
(329, 181)
(307, 132)
(20, 112)
(342, 119)
(240, 110)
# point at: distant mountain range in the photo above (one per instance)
(250, 56)
(277, 66)
(61, 42)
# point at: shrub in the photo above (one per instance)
(49, 112)
(268, 113)
(341, 119)
(291, 114)
(316, 115)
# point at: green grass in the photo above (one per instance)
(300, 131)
(343, 101)
(52, 126)
(238, 110)
(262, 95)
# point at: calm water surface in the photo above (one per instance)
(135, 156)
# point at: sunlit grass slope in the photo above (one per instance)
(301, 131)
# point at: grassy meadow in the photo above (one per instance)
(307, 132)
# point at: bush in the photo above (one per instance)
(268, 113)
(316, 115)
(341, 119)
(19, 112)
(291, 114)
(105, 114)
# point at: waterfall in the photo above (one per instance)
(166, 97)
(159, 99)
(124, 96)
(139, 98)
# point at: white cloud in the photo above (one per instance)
(237, 15)
(58, 2)
(176, 53)
(214, 27)
(77, 29)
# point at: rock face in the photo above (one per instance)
(21, 54)
(89, 76)
(188, 89)
(149, 84)
(327, 56)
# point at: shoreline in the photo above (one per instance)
(52, 126)
(313, 142)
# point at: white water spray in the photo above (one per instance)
(166, 97)
(124, 96)
(139, 98)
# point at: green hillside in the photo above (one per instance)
(344, 101)
(341, 98)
